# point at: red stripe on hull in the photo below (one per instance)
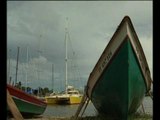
(24, 96)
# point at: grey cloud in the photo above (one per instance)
(41, 26)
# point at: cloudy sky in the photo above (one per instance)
(39, 26)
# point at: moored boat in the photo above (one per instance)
(121, 77)
(74, 95)
(70, 97)
(51, 99)
(27, 104)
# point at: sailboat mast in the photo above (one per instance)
(27, 70)
(66, 57)
(8, 76)
(38, 66)
(52, 77)
(17, 66)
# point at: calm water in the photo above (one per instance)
(69, 110)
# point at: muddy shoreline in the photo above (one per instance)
(133, 117)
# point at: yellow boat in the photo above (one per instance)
(74, 96)
(71, 96)
(51, 99)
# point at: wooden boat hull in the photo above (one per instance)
(121, 87)
(121, 77)
(27, 104)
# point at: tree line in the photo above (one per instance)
(38, 92)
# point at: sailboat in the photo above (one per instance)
(26, 103)
(70, 95)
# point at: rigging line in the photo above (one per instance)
(75, 68)
(74, 56)
(76, 71)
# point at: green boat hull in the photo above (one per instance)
(29, 108)
(27, 104)
(121, 88)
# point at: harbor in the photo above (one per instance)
(67, 67)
